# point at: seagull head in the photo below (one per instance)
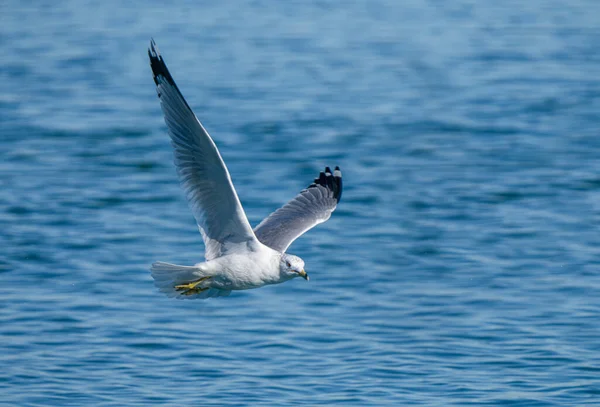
(292, 266)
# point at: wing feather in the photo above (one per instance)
(310, 207)
(202, 172)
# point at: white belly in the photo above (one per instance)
(242, 272)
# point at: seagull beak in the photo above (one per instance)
(303, 275)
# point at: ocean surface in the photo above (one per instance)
(462, 267)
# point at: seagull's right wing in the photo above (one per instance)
(310, 207)
(201, 169)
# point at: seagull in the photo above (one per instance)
(237, 257)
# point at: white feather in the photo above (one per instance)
(167, 276)
(235, 258)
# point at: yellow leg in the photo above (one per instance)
(193, 291)
(190, 288)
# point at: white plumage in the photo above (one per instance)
(237, 258)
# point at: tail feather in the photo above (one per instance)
(167, 276)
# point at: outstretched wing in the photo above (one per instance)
(310, 207)
(202, 172)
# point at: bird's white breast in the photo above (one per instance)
(244, 271)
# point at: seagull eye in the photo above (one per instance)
(287, 263)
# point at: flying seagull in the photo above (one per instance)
(236, 256)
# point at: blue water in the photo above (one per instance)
(461, 267)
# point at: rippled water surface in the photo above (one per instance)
(461, 268)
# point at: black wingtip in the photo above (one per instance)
(160, 72)
(322, 179)
(159, 68)
(331, 181)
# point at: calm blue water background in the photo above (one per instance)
(461, 268)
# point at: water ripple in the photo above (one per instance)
(461, 268)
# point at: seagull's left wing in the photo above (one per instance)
(310, 207)
(201, 169)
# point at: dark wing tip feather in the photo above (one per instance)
(331, 181)
(160, 70)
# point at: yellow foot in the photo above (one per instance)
(193, 291)
(190, 288)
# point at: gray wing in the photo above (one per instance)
(202, 172)
(310, 207)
